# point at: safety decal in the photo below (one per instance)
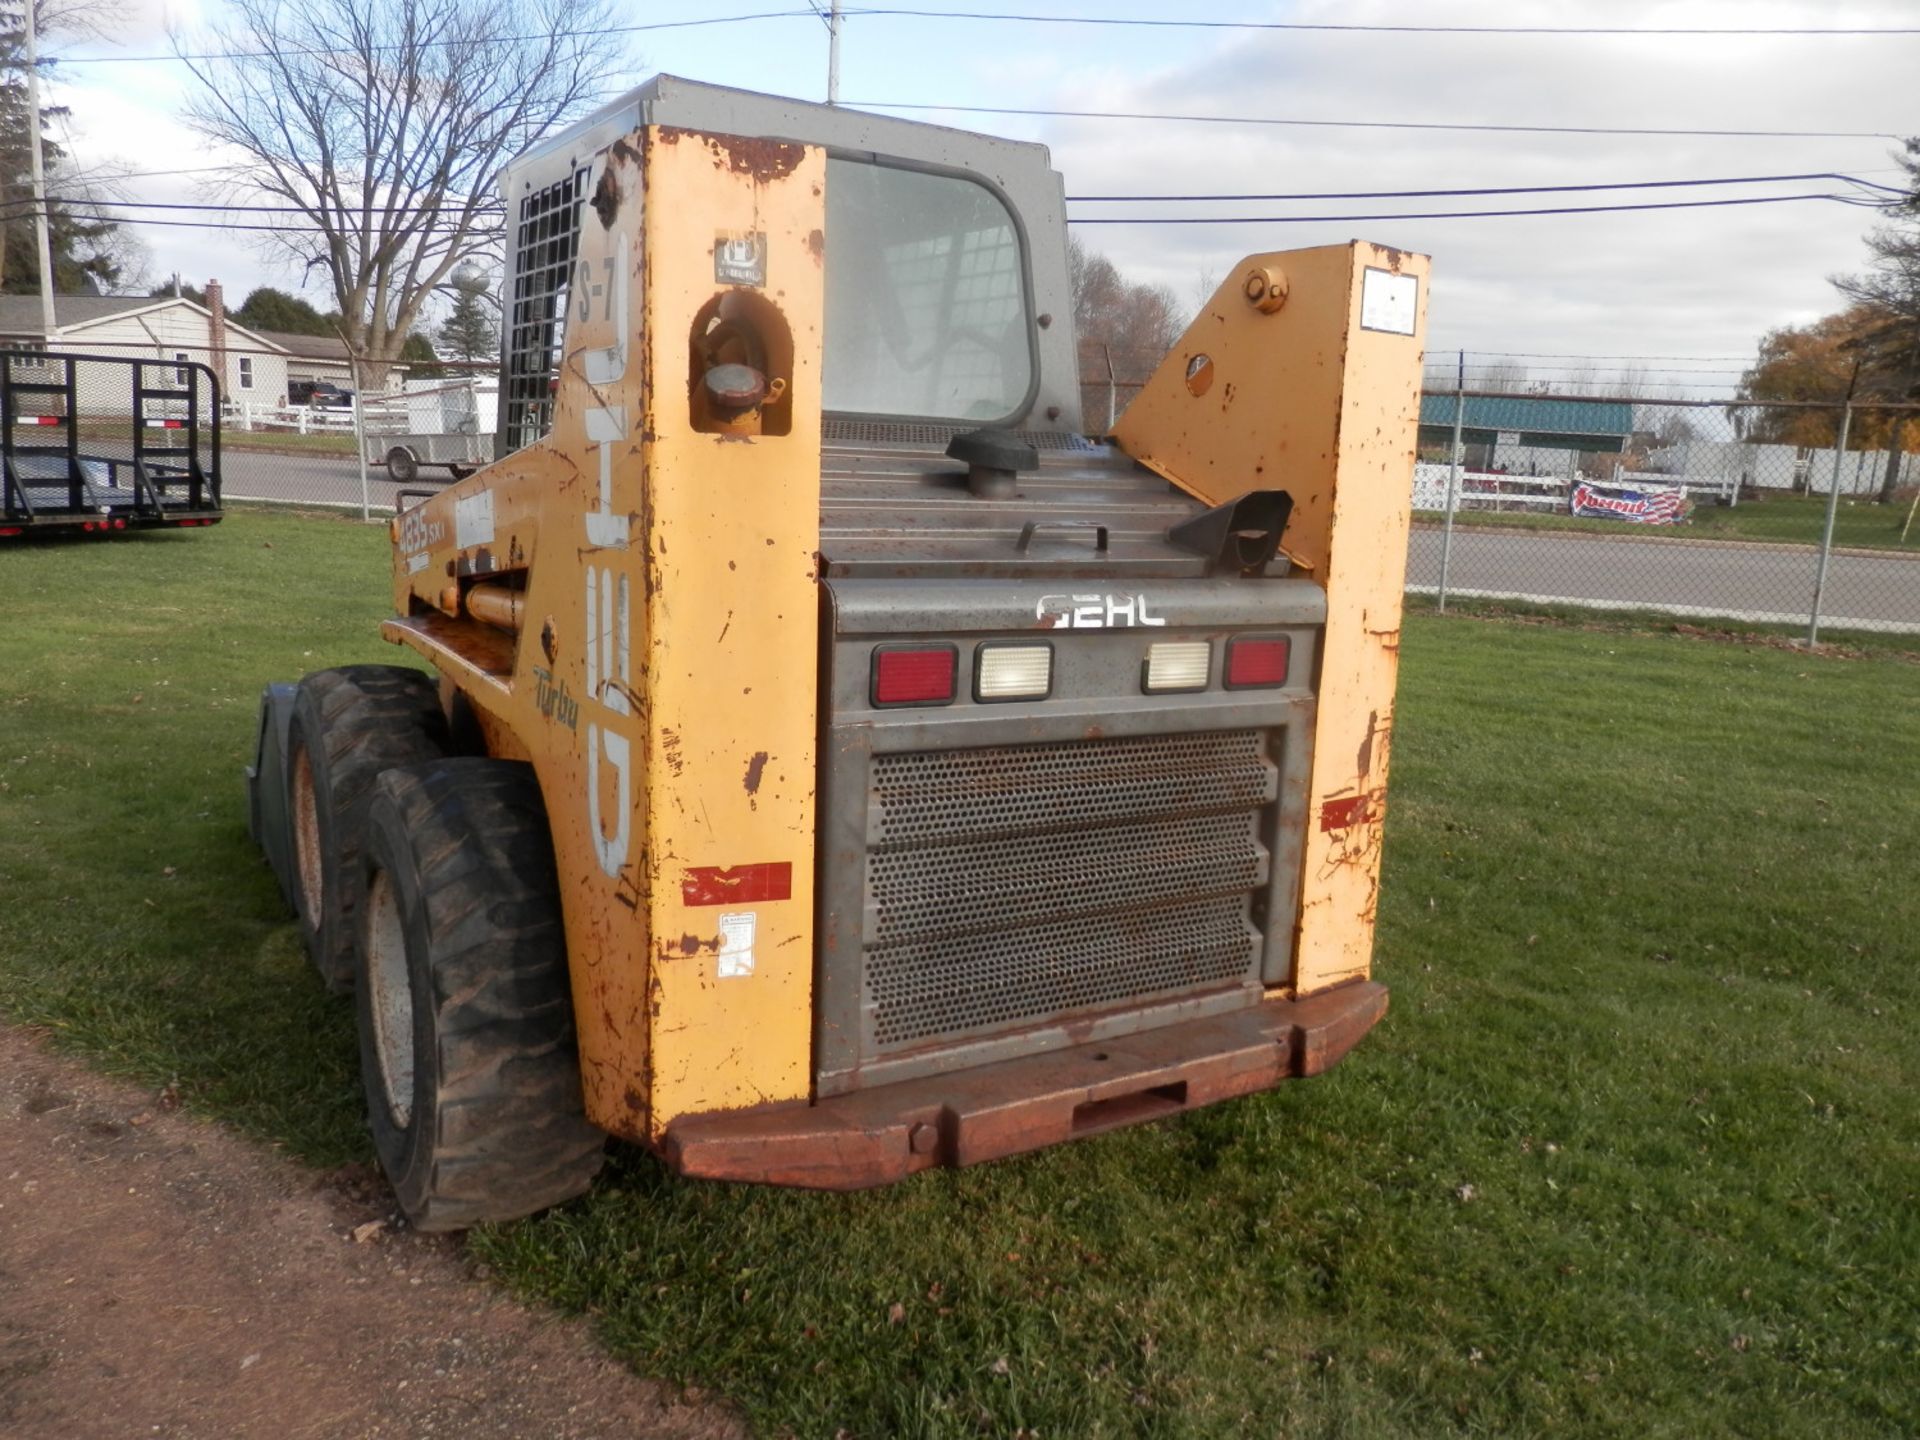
(736, 945)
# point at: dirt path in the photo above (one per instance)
(162, 1278)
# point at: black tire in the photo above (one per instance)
(460, 472)
(466, 1015)
(402, 468)
(348, 725)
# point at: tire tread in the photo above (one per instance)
(510, 1133)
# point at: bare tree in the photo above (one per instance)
(1508, 375)
(1119, 323)
(380, 125)
(1887, 346)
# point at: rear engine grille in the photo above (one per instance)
(1025, 883)
(944, 889)
(942, 987)
(1010, 788)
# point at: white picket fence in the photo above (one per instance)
(1689, 485)
(299, 419)
(1486, 490)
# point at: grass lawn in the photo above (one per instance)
(1634, 1154)
(287, 442)
(1780, 520)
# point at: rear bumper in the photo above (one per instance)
(873, 1137)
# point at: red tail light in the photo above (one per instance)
(914, 674)
(1258, 664)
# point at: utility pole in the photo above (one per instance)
(45, 246)
(833, 53)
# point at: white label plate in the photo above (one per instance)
(473, 520)
(1388, 301)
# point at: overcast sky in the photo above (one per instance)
(1680, 283)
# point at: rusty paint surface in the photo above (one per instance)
(760, 160)
(1338, 436)
(874, 1137)
(636, 539)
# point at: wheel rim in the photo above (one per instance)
(306, 839)
(390, 998)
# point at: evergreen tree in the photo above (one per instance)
(469, 332)
(84, 252)
(188, 291)
(269, 309)
(417, 354)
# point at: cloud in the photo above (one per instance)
(1684, 282)
(1677, 282)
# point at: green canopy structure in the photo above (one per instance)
(1546, 422)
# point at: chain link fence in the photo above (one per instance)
(1795, 514)
(357, 447)
(1790, 514)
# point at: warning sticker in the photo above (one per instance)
(740, 257)
(736, 944)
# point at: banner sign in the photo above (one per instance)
(1642, 507)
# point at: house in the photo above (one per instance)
(256, 367)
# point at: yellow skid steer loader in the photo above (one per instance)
(830, 763)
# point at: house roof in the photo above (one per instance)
(307, 347)
(20, 314)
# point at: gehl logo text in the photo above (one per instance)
(1094, 612)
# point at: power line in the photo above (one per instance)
(1294, 25)
(1489, 190)
(1126, 219)
(491, 209)
(1443, 214)
(322, 51)
(238, 207)
(1276, 120)
(298, 230)
(1009, 17)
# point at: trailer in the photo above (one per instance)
(433, 423)
(102, 444)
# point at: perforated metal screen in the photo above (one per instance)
(1014, 884)
(546, 238)
(970, 983)
(1007, 788)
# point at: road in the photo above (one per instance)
(1741, 581)
(252, 475)
(1750, 582)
